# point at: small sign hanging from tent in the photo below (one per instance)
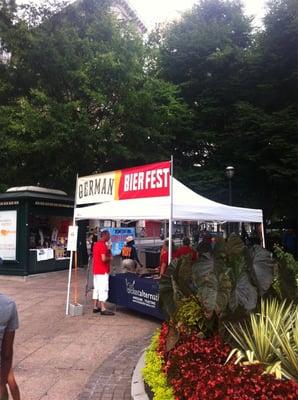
(72, 238)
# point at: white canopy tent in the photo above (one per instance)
(182, 205)
(187, 206)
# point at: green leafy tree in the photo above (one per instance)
(77, 97)
(268, 118)
(241, 87)
(203, 53)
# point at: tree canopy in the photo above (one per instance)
(241, 86)
(76, 97)
(83, 92)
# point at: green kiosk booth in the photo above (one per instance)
(33, 230)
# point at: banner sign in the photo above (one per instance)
(72, 238)
(151, 180)
(118, 236)
(140, 295)
(8, 234)
(135, 293)
(96, 188)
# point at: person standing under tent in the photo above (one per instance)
(8, 324)
(129, 254)
(164, 257)
(102, 258)
(93, 237)
(186, 249)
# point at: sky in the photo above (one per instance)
(153, 11)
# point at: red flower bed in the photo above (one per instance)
(195, 369)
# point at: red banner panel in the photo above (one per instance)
(151, 180)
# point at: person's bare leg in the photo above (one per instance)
(96, 307)
(13, 386)
(3, 392)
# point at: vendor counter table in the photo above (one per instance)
(136, 293)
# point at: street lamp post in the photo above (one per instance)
(230, 173)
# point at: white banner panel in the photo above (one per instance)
(8, 234)
(96, 188)
(44, 254)
(72, 238)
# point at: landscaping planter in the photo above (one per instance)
(196, 370)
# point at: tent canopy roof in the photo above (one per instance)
(187, 206)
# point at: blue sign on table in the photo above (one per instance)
(118, 236)
(136, 293)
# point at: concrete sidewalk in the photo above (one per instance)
(67, 358)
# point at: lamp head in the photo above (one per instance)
(230, 172)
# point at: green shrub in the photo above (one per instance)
(190, 315)
(232, 277)
(286, 275)
(269, 337)
(228, 279)
(287, 259)
(153, 373)
(287, 349)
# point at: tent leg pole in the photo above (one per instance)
(71, 253)
(170, 250)
(263, 236)
(68, 285)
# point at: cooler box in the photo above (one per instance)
(152, 257)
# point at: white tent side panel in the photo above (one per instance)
(187, 206)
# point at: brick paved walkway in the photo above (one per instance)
(56, 355)
(112, 380)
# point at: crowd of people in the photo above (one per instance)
(102, 259)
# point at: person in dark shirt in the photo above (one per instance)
(93, 238)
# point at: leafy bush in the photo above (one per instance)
(175, 285)
(196, 370)
(227, 282)
(286, 258)
(286, 276)
(153, 373)
(233, 276)
(262, 338)
(190, 316)
(287, 349)
(229, 278)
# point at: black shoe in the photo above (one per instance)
(107, 312)
(96, 310)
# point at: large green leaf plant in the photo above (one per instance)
(225, 283)
(232, 277)
(179, 302)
